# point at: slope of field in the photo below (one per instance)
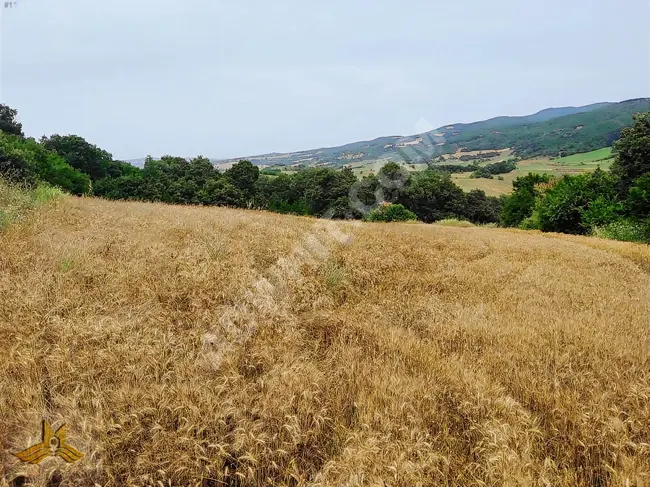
(210, 347)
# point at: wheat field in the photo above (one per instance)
(213, 347)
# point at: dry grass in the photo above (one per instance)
(410, 355)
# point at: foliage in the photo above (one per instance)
(81, 155)
(479, 156)
(482, 172)
(572, 204)
(616, 203)
(16, 201)
(633, 152)
(391, 213)
(28, 162)
(502, 167)
(625, 229)
(601, 211)
(432, 196)
(562, 136)
(243, 176)
(222, 192)
(520, 204)
(8, 122)
(638, 197)
(576, 203)
(480, 208)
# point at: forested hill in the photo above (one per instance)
(570, 134)
(551, 132)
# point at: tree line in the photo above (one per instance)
(616, 204)
(612, 205)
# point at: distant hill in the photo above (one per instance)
(550, 132)
(565, 135)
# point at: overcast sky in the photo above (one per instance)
(234, 78)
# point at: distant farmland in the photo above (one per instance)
(574, 164)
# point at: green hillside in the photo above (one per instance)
(571, 134)
(552, 132)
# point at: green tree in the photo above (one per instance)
(80, 154)
(576, 203)
(520, 204)
(8, 122)
(638, 198)
(243, 176)
(366, 194)
(221, 192)
(27, 161)
(433, 196)
(481, 208)
(393, 178)
(633, 152)
(126, 187)
(14, 166)
(323, 189)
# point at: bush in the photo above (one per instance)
(17, 201)
(481, 208)
(626, 230)
(638, 197)
(482, 172)
(433, 196)
(531, 223)
(391, 213)
(520, 204)
(576, 203)
(26, 161)
(600, 212)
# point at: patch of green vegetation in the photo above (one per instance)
(454, 222)
(391, 213)
(571, 134)
(334, 276)
(599, 155)
(625, 230)
(67, 264)
(16, 202)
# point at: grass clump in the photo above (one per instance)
(455, 222)
(17, 201)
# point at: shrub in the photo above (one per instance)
(626, 230)
(531, 223)
(481, 208)
(638, 197)
(600, 212)
(576, 203)
(17, 201)
(391, 213)
(519, 206)
(482, 172)
(433, 196)
(26, 161)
